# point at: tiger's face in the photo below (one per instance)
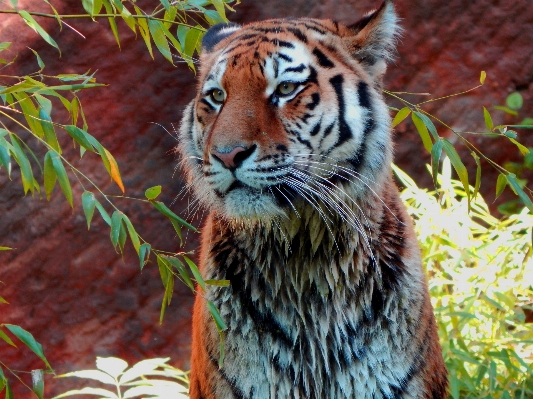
(287, 111)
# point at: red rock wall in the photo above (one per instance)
(67, 285)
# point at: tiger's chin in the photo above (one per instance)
(247, 204)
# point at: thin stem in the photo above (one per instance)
(73, 16)
(16, 376)
(450, 95)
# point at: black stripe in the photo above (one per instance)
(322, 59)
(298, 33)
(282, 43)
(209, 105)
(345, 133)
(315, 97)
(307, 143)
(298, 68)
(276, 67)
(316, 128)
(364, 96)
(285, 57)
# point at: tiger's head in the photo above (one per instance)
(289, 111)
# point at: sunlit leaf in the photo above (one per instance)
(112, 22)
(113, 170)
(500, 184)
(478, 174)
(160, 40)
(37, 28)
(4, 249)
(37, 380)
(88, 202)
(219, 6)
(458, 165)
(400, 116)
(29, 341)
(218, 283)
(488, 119)
(111, 365)
(143, 28)
(96, 375)
(102, 393)
(436, 152)
(523, 149)
(482, 77)
(6, 338)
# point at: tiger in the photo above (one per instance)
(288, 146)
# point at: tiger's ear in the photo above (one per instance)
(374, 39)
(216, 34)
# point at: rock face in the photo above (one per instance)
(79, 298)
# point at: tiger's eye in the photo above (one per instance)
(285, 88)
(218, 96)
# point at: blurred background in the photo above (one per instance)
(80, 299)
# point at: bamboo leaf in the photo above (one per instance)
(160, 40)
(400, 116)
(482, 77)
(29, 341)
(500, 184)
(5, 159)
(24, 163)
(39, 60)
(143, 28)
(80, 136)
(478, 174)
(523, 149)
(177, 229)
(122, 236)
(114, 172)
(30, 113)
(192, 40)
(5, 46)
(429, 124)
(514, 101)
(436, 152)
(37, 380)
(50, 175)
(511, 178)
(134, 237)
(144, 254)
(166, 4)
(221, 326)
(116, 222)
(219, 6)
(171, 215)
(195, 272)
(458, 166)
(49, 132)
(218, 283)
(488, 119)
(103, 213)
(422, 131)
(88, 202)
(180, 267)
(37, 28)
(153, 192)
(112, 22)
(62, 177)
(6, 338)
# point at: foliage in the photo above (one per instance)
(481, 282)
(150, 378)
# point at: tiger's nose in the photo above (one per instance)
(233, 158)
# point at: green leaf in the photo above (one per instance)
(37, 380)
(436, 152)
(143, 28)
(192, 40)
(108, 160)
(400, 116)
(29, 341)
(160, 39)
(37, 28)
(429, 124)
(6, 338)
(9, 392)
(500, 184)
(49, 132)
(116, 223)
(218, 283)
(507, 110)
(213, 17)
(144, 254)
(166, 4)
(81, 137)
(478, 174)
(30, 113)
(171, 215)
(50, 176)
(514, 101)
(180, 267)
(111, 20)
(177, 229)
(523, 149)
(219, 6)
(482, 77)
(5, 159)
(127, 17)
(134, 237)
(4, 45)
(457, 165)
(88, 202)
(488, 119)
(4, 249)
(195, 272)
(39, 60)
(62, 177)
(24, 163)
(513, 182)
(182, 34)
(93, 7)
(422, 131)
(153, 192)
(44, 103)
(103, 213)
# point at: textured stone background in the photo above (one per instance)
(66, 284)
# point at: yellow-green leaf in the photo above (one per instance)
(400, 116)
(219, 6)
(422, 131)
(160, 39)
(523, 149)
(478, 174)
(458, 165)
(500, 184)
(153, 192)
(218, 283)
(6, 338)
(196, 273)
(488, 119)
(143, 28)
(482, 77)
(429, 124)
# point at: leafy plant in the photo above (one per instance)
(481, 281)
(150, 378)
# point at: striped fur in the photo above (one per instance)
(288, 145)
